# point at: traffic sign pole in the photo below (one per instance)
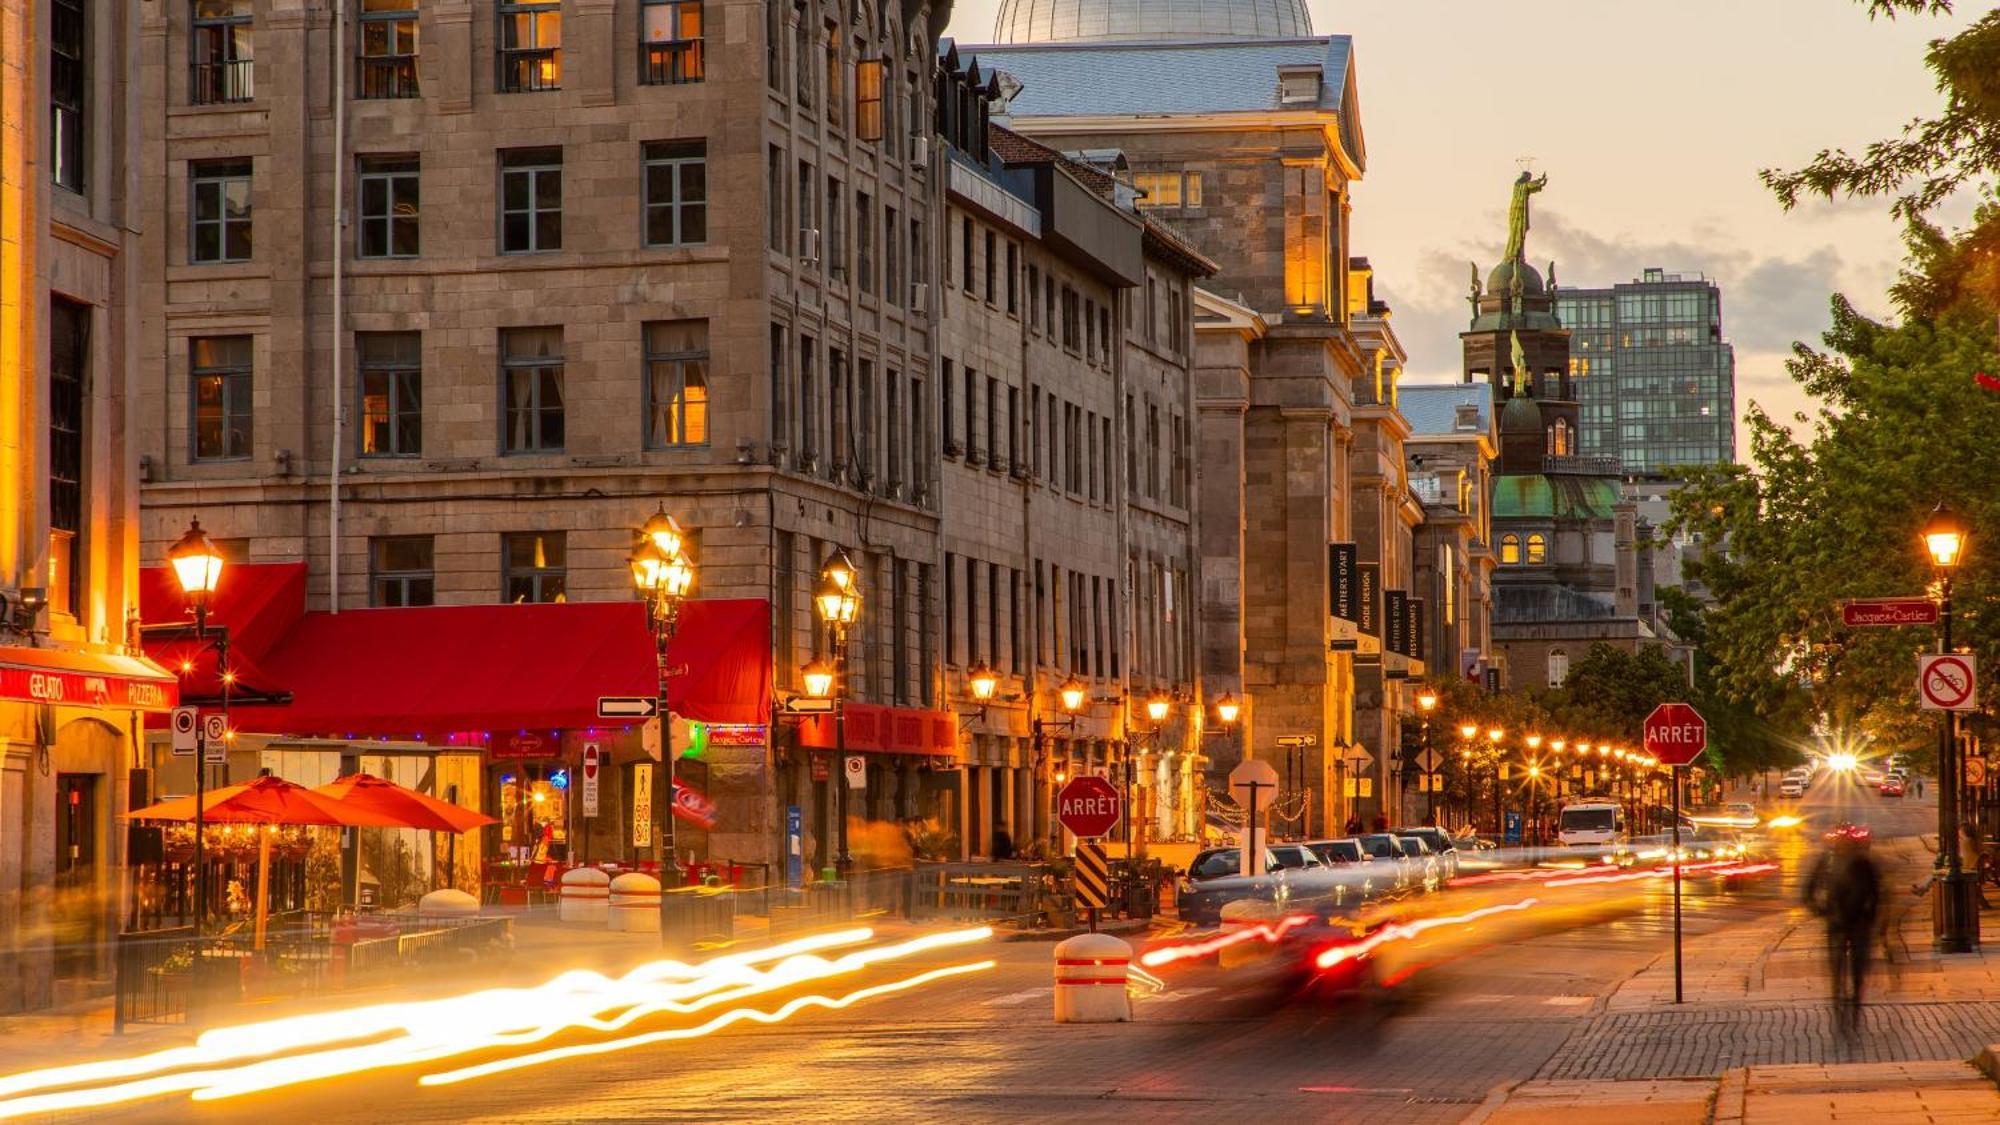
(1676, 859)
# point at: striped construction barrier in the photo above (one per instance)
(1090, 979)
(634, 905)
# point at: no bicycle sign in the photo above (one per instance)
(1948, 681)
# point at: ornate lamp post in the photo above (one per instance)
(1157, 709)
(1427, 702)
(1466, 733)
(198, 567)
(1534, 798)
(838, 600)
(1493, 737)
(1071, 696)
(1954, 915)
(663, 575)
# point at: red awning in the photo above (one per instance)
(426, 672)
(259, 602)
(891, 730)
(85, 679)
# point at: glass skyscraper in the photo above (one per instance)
(1654, 377)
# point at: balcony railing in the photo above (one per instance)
(1592, 465)
(530, 71)
(388, 76)
(215, 83)
(670, 63)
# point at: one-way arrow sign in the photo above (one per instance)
(627, 706)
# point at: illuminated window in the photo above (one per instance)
(1558, 668)
(535, 566)
(1510, 549)
(392, 416)
(1538, 549)
(676, 383)
(670, 53)
(530, 47)
(1168, 189)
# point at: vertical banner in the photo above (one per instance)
(1396, 622)
(1341, 594)
(1415, 630)
(642, 805)
(1367, 589)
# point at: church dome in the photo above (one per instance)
(1501, 280)
(1521, 416)
(1101, 21)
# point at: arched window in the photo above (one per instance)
(1558, 667)
(1562, 437)
(1538, 549)
(1510, 549)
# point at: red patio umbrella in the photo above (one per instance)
(373, 796)
(266, 800)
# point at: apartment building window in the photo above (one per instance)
(1558, 668)
(1049, 306)
(892, 413)
(950, 608)
(802, 59)
(392, 393)
(945, 415)
(774, 174)
(868, 99)
(1034, 298)
(1177, 483)
(69, 79)
(926, 639)
(1538, 549)
(1448, 583)
(808, 402)
(864, 444)
(837, 410)
(809, 247)
(530, 47)
(1074, 440)
(972, 450)
(920, 446)
(993, 421)
(670, 48)
(836, 231)
(389, 210)
(993, 615)
(69, 360)
(222, 54)
(892, 257)
(534, 566)
(1168, 189)
(1013, 279)
(836, 93)
(220, 372)
(774, 49)
(864, 241)
(530, 200)
(971, 611)
(1131, 446)
(1090, 331)
(1014, 429)
(1152, 452)
(402, 570)
(677, 193)
(219, 211)
(899, 630)
(388, 49)
(1105, 465)
(992, 264)
(676, 383)
(1104, 334)
(965, 279)
(1510, 549)
(1091, 453)
(532, 375)
(1072, 319)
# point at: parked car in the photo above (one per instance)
(1385, 850)
(1429, 873)
(1292, 857)
(1337, 853)
(1220, 863)
(1792, 787)
(1891, 786)
(1441, 844)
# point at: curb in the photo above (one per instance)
(1495, 1099)
(1987, 1062)
(1732, 1090)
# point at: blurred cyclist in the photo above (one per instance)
(1845, 889)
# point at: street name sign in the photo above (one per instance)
(1948, 681)
(1870, 612)
(627, 706)
(808, 705)
(1676, 734)
(1089, 806)
(183, 723)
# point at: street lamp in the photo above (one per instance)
(819, 679)
(1228, 709)
(1427, 702)
(1071, 696)
(1157, 709)
(663, 575)
(198, 566)
(1955, 919)
(982, 680)
(838, 599)
(1493, 737)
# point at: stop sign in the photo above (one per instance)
(1676, 734)
(1088, 806)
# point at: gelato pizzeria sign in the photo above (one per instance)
(1889, 611)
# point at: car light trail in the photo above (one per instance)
(1402, 931)
(1785, 821)
(1272, 934)
(348, 1042)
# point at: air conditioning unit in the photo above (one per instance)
(920, 152)
(920, 295)
(809, 244)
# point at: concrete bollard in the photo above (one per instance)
(448, 903)
(634, 905)
(585, 895)
(1090, 979)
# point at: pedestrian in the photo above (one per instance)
(1381, 822)
(1003, 844)
(1920, 787)
(1354, 825)
(1845, 890)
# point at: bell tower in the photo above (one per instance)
(1516, 345)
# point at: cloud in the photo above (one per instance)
(1769, 301)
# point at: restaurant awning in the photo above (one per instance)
(259, 604)
(889, 730)
(85, 679)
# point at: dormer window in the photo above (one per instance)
(1299, 85)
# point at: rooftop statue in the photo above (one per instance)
(1517, 214)
(1520, 359)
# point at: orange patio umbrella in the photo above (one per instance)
(369, 795)
(272, 801)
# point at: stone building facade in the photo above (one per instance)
(73, 688)
(1254, 163)
(1451, 452)
(450, 318)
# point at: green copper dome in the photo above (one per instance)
(1537, 496)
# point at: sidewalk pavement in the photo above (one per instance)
(1779, 964)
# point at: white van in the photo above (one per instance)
(1588, 823)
